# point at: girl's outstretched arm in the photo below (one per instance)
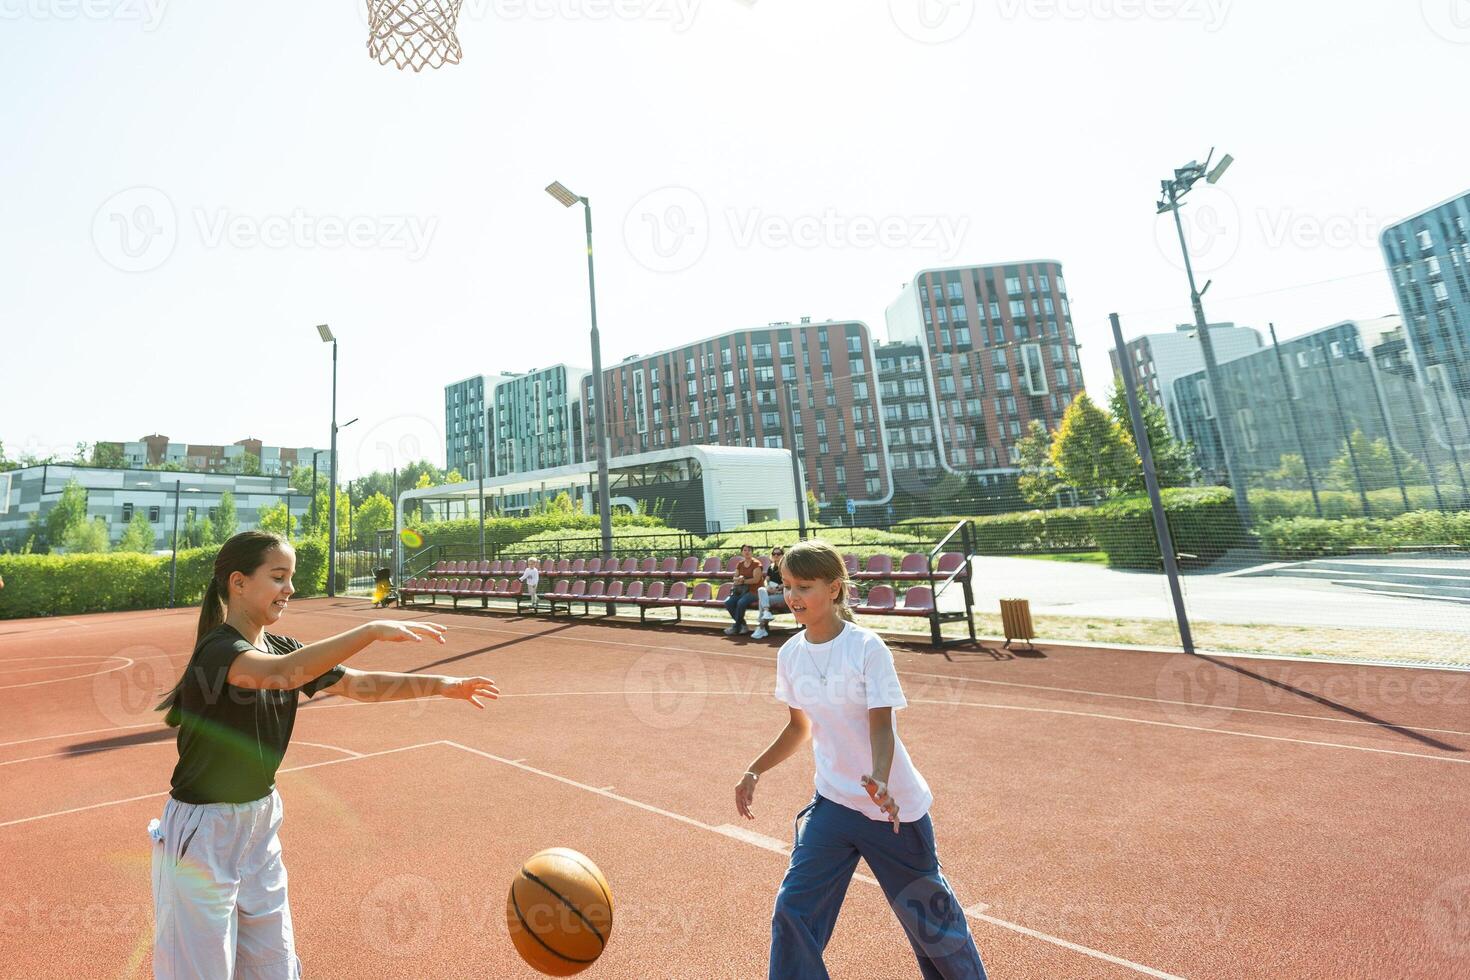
(798, 729)
(264, 672)
(385, 685)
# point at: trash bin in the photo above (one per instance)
(1015, 620)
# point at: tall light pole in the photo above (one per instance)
(604, 498)
(1173, 191)
(314, 455)
(796, 466)
(173, 568)
(327, 338)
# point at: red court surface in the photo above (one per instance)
(1100, 813)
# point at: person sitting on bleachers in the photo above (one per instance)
(771, 597)
(749, 576)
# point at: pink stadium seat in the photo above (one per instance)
(630, 567)
(724, 594)
(731, 565)
(851, 561)
(635, 590)
(441, 567)
(647, 567)
(668, 567)
(950, 562)
(579, 566)
(579, 589)
(880, 601)
(482, 568)
(678, 593)
(563, 590)
(520, 565)
(596, 589)
(654, 595)
(564, 567)
(688, 568)
(594, 566)
(914, 566)
(917, 601)
(615, 589)
(713, 567)
(765, 561)
(879, 567)
(701, 595)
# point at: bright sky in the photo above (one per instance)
(191, 187)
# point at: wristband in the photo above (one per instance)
(753, 775)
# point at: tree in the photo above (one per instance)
(250, 465)
(87, 537)
(1091, 452)
(813, 506)
(453, 477)
(7, 464)
(1290, 472)
(371, 516)
(139, 535)
(1038, 482)
(107, 454)
(1375, 464)
(70, 511)
(1173, 459)
(277, 519)
(225, 520)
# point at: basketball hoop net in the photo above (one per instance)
(413, 33)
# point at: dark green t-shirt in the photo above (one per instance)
(232, 739)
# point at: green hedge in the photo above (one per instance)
(1292, 538)
(501, 532)
(70, 585)
(1202, 522)
(1268, 505)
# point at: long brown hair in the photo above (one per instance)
(816, 559)
(243, 553)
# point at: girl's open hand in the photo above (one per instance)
(470, 689)
(401, 631)
(878, 790)
(745, 795)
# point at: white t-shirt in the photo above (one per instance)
(531, 576)
(859, 675)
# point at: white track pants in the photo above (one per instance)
(219, 893)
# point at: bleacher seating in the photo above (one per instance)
(878, 588)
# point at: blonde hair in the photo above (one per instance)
(816, 559)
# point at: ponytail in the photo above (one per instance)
(244, 553)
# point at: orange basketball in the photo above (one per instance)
(559, 912)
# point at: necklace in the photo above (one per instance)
(813, 658)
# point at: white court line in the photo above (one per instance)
(74, 677)
(745, 838)
(953, 678)
(1196, 728)
(148, 796)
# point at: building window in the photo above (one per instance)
(153, 514)
(1033, 369)
(127, 513)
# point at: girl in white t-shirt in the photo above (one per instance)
(839, 682)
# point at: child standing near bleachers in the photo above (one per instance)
(531, 578)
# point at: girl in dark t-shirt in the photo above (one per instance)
(219, 886)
